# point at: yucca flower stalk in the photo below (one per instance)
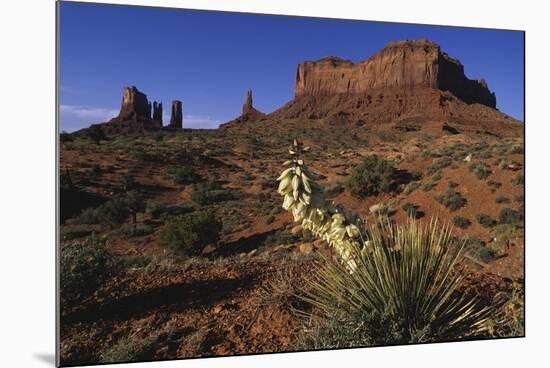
(305, 199)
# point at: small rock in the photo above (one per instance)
(305, 248)
(468, 158)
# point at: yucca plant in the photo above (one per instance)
(389, 283)
(410, 275)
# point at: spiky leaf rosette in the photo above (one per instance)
(411, 273)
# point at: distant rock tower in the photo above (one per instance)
(134, 105)
(176, 117)
(157, 112)
(247, 107)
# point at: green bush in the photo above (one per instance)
(84, 265)
(73, 232)
(190, 233)
(401, 291)
(436, 166)
(479, 169)
(452, 200)
(114, 212)
(485, 220)
(519, 179)
(89, 216)
(372, 176)
(133, 230)
(502, 199)
(477, 249)
(509, 216)
(210, 192)
(461, 222)
(411, 210)
(451, 184)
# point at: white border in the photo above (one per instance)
(27, 206)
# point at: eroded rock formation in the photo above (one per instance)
(134, 105)
(176, 117)
(404, 65)
(408, 83)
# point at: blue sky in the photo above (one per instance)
(209, 59)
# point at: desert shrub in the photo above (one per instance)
(485, 220)
(451, 184)
(133, 230)
(88, 216)
(184, 175)
(477, 249)
(129, 348)
(510, 319)
(84, 265)
(429, 185)
(412, 210)
(479, 169)
(111, 213)
(372, 176)
(209, 192)
(516, 150)
(509, 216)
(402, 291)
(437, 177)
(191, 232)
(160, 211)
(461, 222)
(519, 179)
(494, 184)
(502, 199)
(506, 235)
(411, 187)
(73, 232)
(280, 237)
(437, 165)
(452, 200)
(114, 212)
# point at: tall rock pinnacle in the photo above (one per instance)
(176, 117)
(157, 112)
(247, 107)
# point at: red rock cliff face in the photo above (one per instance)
(403, 65)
